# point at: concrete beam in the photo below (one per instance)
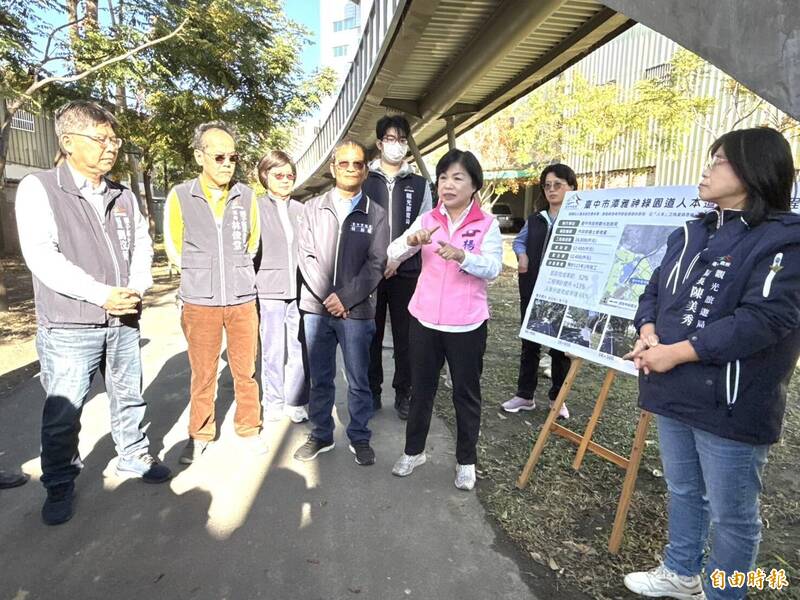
(511, 24)
(755, 42)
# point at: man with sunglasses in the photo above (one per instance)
(211, 232)
(405, 195)
(343, 236)
(87, 247)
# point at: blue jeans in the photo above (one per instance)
(323, 333)
(711, 481)
(69, 358)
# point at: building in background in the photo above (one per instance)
(637, 55)
(340, 25)
(32, 147)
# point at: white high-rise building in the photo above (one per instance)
(340, 25)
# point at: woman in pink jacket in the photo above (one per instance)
(462, 251)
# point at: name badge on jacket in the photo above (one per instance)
(361, 228)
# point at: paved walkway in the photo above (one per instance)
(234, 526)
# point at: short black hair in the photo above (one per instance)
(385, 123)
(762, 160)
(561, 171)
(466, 159)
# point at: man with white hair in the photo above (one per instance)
(87, 247)
(211, 232)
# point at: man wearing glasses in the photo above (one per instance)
(87, 247)
(405, 195)
(284, 389)
(343, 236)
(211, 232)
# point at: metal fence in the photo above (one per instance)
(375, 39)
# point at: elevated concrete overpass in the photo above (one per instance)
(447, 65)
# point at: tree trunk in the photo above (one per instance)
(147, 176)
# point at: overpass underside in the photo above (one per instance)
(448, 65)
(458, 61)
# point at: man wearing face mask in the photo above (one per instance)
(404, 195)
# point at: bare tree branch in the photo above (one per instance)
(36, 85)
(52, 35)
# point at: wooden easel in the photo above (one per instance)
(584, 443)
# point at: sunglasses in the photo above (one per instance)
(220, 158)
(282, 176)
(345, 164)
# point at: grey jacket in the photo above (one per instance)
(348, 259)
(276, 263)
(102, 249)
(216, 269)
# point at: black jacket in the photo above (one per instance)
(347, 259)
(536, 244)
(403, 205)
(734, 292)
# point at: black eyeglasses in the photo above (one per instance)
(282, 176)
(233, 157)
(390, 139)
(345, 164)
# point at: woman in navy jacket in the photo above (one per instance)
(719, 338)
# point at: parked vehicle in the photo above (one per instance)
(506, 220)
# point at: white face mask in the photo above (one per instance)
(394, 152)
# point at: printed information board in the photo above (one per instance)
(603, 249)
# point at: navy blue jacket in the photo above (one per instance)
(734, 292)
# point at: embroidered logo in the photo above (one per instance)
(470, 233)
(469, 245)
(361, 228)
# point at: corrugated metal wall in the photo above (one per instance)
(36, 148)
(624, 60)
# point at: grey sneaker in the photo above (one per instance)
(193, 450)
(661, 582)
(273, 412)
(144, 466)
(517, 404)
(406, 464)
(465, 477)
(312, 448)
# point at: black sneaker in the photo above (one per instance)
(57, 507)
(402, 403)
(365, 455)
(312, 448)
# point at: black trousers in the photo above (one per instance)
(395, 294)
(528, 377)
(464, 355)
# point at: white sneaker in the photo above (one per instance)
(563, 413)
(661, 582)
(406, 464)
(517, 404)
(254, 444)
(465, 477)
(298, 414)
(273, 412)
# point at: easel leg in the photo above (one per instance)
(598, 410)
(544, 434)
(615, 541)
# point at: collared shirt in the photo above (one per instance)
(38, 238)
(344, 206)
(486, 265)
(217, 200)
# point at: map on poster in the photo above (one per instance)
(604, 248)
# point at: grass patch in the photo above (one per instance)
(563, 519)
